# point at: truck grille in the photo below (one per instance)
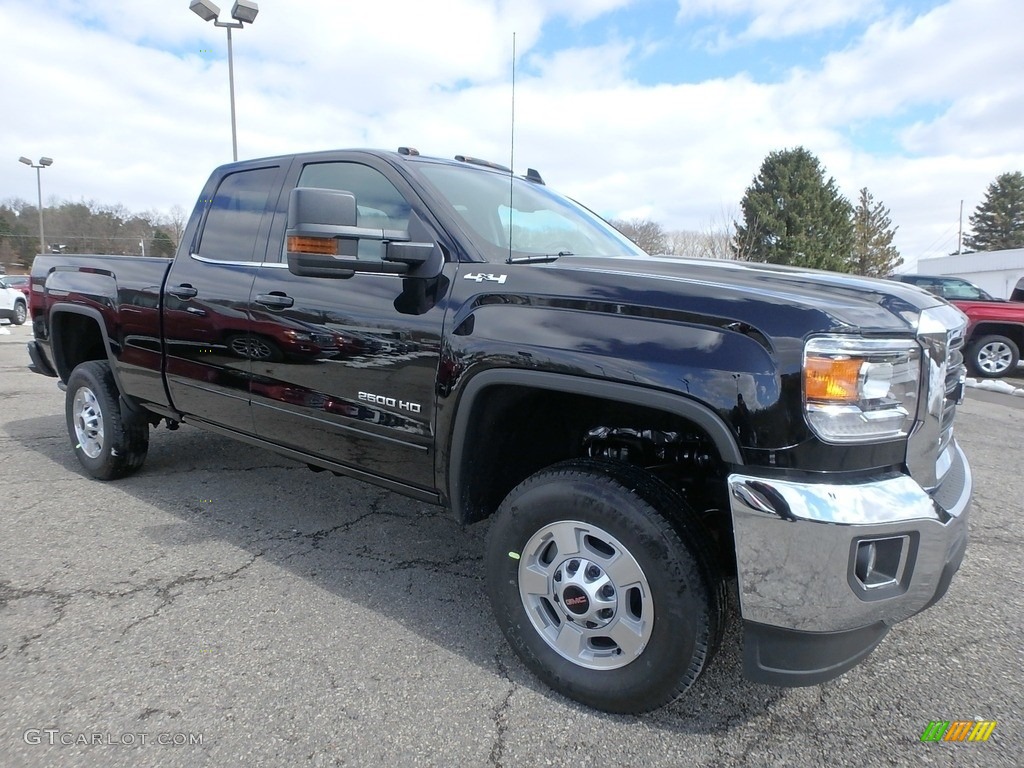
(955, 374)
(941, 331)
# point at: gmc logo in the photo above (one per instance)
(576, 600)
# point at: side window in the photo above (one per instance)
(378, 204)
(231, 231)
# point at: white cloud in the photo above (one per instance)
(774, 19)
(133, 112)
(954, 51)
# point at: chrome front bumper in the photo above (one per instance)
(825, 568)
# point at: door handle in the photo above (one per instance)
(183, 291)
(276, 300)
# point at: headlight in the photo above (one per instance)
(861, 390)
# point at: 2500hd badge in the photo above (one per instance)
(389, 402)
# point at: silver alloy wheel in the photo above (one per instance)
(995, 357)
(88, 419)
(19, 313)
(586, 595)
(251, 347)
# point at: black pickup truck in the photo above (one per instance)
(644, 431)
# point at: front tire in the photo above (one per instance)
(20, 313)
(107, 445)
(602, 582)
(993, 356)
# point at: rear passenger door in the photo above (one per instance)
(206, 323)
(354, 380)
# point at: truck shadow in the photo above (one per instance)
(407, 561)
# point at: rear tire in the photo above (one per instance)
(20, 313)
(993, 356)
(108, 445)
(602, 581)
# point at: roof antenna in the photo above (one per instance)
(512, 152)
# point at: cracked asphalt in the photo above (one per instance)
(280, 617)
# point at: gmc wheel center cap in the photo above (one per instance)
(576, 600)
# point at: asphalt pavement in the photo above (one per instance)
(226, 607)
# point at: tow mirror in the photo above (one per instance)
(322, 240)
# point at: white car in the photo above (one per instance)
(13, 304)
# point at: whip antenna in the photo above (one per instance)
(512, 151)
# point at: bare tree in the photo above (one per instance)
(649, 235)
(718, 234)
(683, 243)
(175, 223)
(714, 241)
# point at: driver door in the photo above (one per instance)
(352, 380)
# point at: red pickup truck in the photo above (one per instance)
(995, 330)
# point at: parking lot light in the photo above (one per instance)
(206, 10)
(44, 162)
(244, 12)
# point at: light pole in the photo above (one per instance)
(44, 162)
(243, 12)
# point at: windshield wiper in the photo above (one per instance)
(537, 258)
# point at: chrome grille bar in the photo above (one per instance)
(955, 374)
(941, 334)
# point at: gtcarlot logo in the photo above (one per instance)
(56, 737)
(958, 730)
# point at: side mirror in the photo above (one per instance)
(324, 211)
(322, 240)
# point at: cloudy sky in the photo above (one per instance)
(660, 109)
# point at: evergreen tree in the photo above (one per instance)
(18, 241)
(792, 215)
(874, 255)
(7, 253)
(161, 244)
(998, 222)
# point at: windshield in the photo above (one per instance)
(961, 289)
(539, 221)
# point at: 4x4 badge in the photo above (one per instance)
(480, 277)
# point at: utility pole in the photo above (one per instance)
(960, 234)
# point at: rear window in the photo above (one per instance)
(231, 231)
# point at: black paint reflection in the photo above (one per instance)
(362, 394)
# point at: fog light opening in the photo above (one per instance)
(880, 562)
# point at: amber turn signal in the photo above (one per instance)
(832, 380)
(324, 245)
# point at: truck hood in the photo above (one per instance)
(842, 302)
